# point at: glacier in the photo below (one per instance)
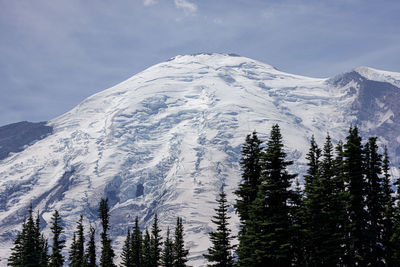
(166, 140)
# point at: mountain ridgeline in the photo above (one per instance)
(166, 140)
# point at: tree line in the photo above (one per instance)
(144, 249)
(344, 214)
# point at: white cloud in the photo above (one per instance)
(188, 7)
(149, 2)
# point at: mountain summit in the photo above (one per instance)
(166, 140)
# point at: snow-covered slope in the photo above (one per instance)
(167, 139)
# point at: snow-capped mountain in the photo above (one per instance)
(167, 139)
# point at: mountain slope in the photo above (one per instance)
(167, 139)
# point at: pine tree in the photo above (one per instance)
(180, 253)
(269, 233)
(56, 257)
(247, 191)
(90, 255)
(167, 257)
(16, 257)
(126, 256)
(146, 256)
(314, 206)
(136, 245)
(356, 186)
(77, 250)
(374, 202)
(220, 252)
(107, 253)
(30, 247)
(155, 243)
(251, 171)
(388, 213)
(298, 221)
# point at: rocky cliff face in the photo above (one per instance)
(167, 139)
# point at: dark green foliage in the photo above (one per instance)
(126, 256)
(77, 250)
(167, 257)
(90, 255)
(30, 247)
(269, 231)
(180, 253)
(388, 213)
(353, 167)
(136, 244)
(107, 253)
(146, 256)
(247, 190)
(298, 221)
(374, 202)
(323, 207)
(220, 252)
(155, 243)
(251, 171)
(56, 257)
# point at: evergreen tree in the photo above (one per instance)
(247, 190)
(356, 186)
(16, 257)
(388, 213)
(251, 171)
(107, 253)
(374, 202)
(30, 247)
(220, 252)
(56, 257)
(269, 233)
(146, 256)
(136, 245)
(77, 250)
(167, 253)
(155, 243)
(314, 204)
(126, 255)
(180, 253)
(298, 221)
(90, 255)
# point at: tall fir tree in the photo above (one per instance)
(180, 253)
(388, 213)
(56, 256)
(136, 244)
(269, 232)
(374, 202)
(298, 221)
(17, 255)
(146, 250)
(167, 257)
(77, 249)
(107, 253)
(90, 254)
(356, 186)
(30, 247)
(313, 205)
(126, 255)
(247, 190)
(155, 243)
(220, 252)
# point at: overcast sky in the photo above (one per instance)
(55, 53)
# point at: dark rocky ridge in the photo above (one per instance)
(13, 137)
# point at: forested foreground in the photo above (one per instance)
(344, 214)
